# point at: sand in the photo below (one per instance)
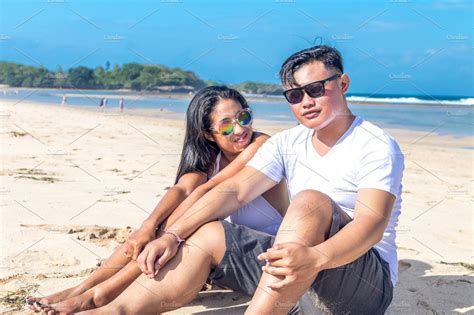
(75, 181)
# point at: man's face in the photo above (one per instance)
(317, 113)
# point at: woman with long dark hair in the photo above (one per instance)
(219, 141)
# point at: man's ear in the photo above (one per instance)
(345, 82)
(209, 136)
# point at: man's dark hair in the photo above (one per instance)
(329, 56)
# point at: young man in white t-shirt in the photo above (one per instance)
(336, 243)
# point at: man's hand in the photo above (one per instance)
(156, 254)
(291, 262)
(137, 241)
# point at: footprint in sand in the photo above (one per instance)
(103, 235)
(12, 301)
(42, 259)
(35, 174)
(403, 265)
(99, 235)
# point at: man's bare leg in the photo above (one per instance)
(307, 222)
(178, 282)
(108, 268)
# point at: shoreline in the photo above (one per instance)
(264, 98)
(162, 113)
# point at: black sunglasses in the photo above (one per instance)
(313, 89)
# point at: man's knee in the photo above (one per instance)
(312, 201)
(311, 212)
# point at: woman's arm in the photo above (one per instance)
(170, 201)
(230, 170)
(174, 197)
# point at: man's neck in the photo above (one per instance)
(329, 135)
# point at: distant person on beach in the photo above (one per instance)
(103, 103)
(121, 104)
(64, 100)
(219, 141)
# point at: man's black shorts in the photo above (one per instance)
(360, 287)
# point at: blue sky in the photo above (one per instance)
(390, 47)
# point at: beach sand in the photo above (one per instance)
(75, 182)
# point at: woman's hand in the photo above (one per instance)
(156, 254)
(137, 241)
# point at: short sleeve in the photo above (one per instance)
(381, 167)
(268, 159)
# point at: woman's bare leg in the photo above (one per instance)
(178, 282)
(306, 222)
(99, 294)
(107, 269)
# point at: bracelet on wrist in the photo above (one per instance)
(179, 240)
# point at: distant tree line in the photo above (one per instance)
(128, 76)
(131, 76)
(259, 88)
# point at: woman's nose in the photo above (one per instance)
(238, 129)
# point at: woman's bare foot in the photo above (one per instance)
(85, 301)
(35, 303)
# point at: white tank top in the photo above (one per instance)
(258, 214)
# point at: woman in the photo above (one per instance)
(219, 141)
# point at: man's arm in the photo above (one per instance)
(218, 203)
(173, 197)
(193, 185)
(223, 199)
(372, 214)
(229, 171)
(295, 262)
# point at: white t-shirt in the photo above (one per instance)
(364, 157)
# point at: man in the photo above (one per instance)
(344, 177)
(337, 239)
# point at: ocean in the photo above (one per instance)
(443, 115)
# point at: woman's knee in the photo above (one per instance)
(209, 231)
(210, 238)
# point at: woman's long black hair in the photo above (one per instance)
(199, 154)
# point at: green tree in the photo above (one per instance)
(81, 78)
(42, 77)
(100, 79)
(131, 71)
(60, 77)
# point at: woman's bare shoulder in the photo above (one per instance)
(260, 137)
(191, 180)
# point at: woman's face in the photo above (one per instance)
(236, 142)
